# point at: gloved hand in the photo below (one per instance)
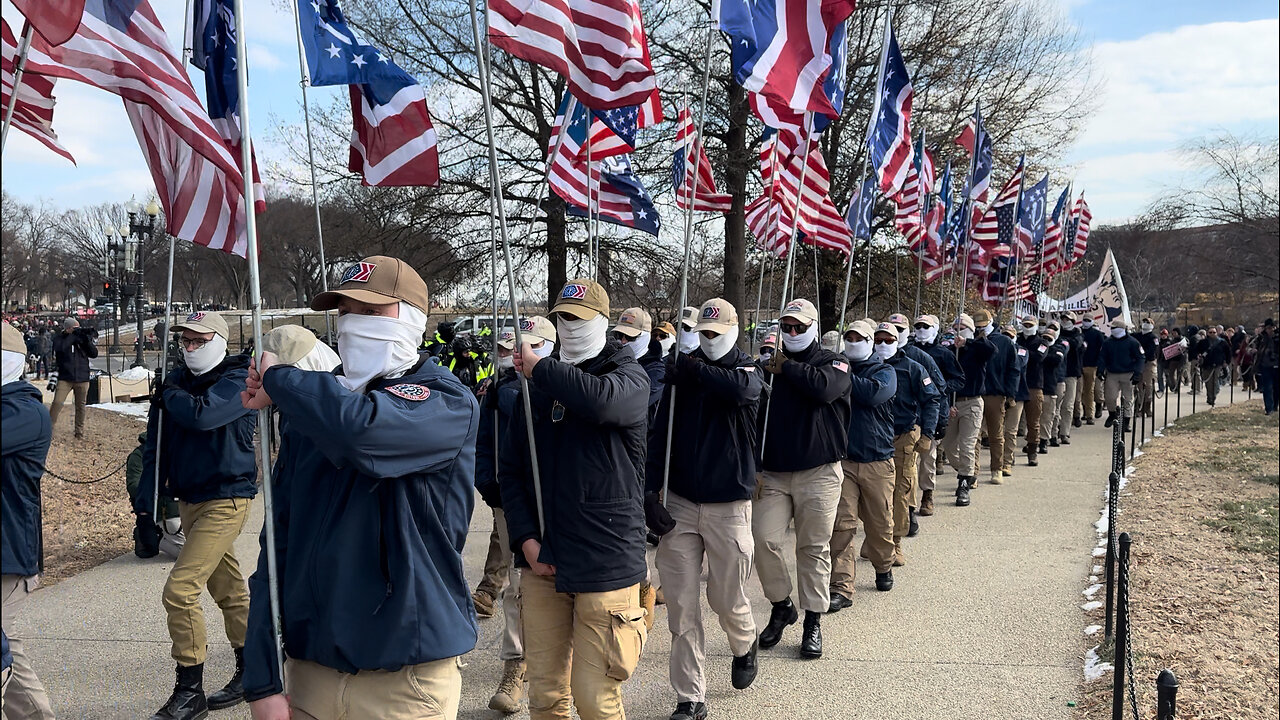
(1136, 380)
(656, 515)
(146, 536)
(776, 361)
(1009, 403)
(940, 434)
(682, 365)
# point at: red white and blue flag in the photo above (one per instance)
(33, 112)
(890, 140)
(994, 231)
(1077, 233)
(974, 135)
(690, 158)
(782, 207)
(1049, 257)
(782, 117)
(1031, 218)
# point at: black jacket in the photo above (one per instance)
(945, 357)
(496, 409)
(655, 367)
(1002, 367)
(1122, 355)
(1092, 339)
(590, 424)
(1075, 352)
(973, 361)
(72, 352)
(714, 440)
(1214, 352)
(808, 411)
(1043, 360)
(25, 445)
(1150, 344)
(915, 404)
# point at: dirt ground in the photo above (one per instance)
(86, 525)
(1201, 507)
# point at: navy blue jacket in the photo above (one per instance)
(936, 377)
(1121, 355)
(208, 450)
(873, 383)
(973, 361)
(1002, 367)
(1214, 352)
(1150, 344)
(915, 404)
(72, 352)
(952, 373)
(591, 427)
(655, 367)
(714, 441)
(500, 400)
(1091, 340)
(6, 657)
(1024, 390)
(373, 497)
(24, 445)
(1053, 362)
(808, 411)
(1075, 352)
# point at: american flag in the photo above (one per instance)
(688, 147)
(1031, 217)
(55, 20)
(782, 117)
(909, 201)
(33, 112)
(860, 210)
(994, 230)
(786, 55)
(599, 46)
(1078, 231)
(214, 52)
(819, 221)
(393, 141)
(974, 135)
(1050, 255)
(928, 168)
(121, 47)
(890, 140)
(613, 131)
(995, 285)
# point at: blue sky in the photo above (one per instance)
(1181, 70)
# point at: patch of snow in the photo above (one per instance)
(1094, 667)
(1100, 552)
(1093, 579)
(1096, 569)
(1157, 433)
(1137, 454)
(135, 409)
(135, 374)
(1101, 525)
(1092, 590)
(1091, 605)
(1092, 629)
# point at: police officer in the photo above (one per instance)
(915, 407)
(1000, 389)
(583, 623)
(805, 434)
(374, 487)
(1122, 361)
(24, 445)
(867, 490)
(926, 338)
(439, 344)
(960, 444)
(1150, 346)
(206, 461)
(716, 390)
(1091, 339)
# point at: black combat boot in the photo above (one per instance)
(744, 669)
(782, 615)
(187, 701)
(233, 693)
(811, 641)
(962, 492)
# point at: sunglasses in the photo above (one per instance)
(709, 334)
(193, 343)
(793, 328)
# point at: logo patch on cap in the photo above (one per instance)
(410, 391)
(795, 307)
(574, 292)
(195, 317)
(360, 272)
(507, 336)
(526, 325)
(711, 313)
(627, 318)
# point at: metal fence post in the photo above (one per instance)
(1133, 435)
(1122, 630)
(1113, 489)
(1166, 695)
(1166, 407)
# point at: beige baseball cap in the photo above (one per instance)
(203, 322)
(290, 343)
(582, 298)
(801, 310)
(634, 321)
(377, 280)
(665, 327)
(535, 329)
(899, 320)
(770, 340)
(717, 315)
(888, 328)
(864, 329)
(13, 341)
(930, 320)
(688, 317)
(965, 321)
(981, 317)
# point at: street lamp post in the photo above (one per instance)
(113, 272)
(137, 229)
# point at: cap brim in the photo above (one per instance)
(582, 312)
(801, 318)
(715, 327)
(196, 328)
(329, 300)
(626, 330)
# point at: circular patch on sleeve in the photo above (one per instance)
(410, 391)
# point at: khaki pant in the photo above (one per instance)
(207, 560)
(926, 470)
(579, 647)
(993, 418)
(809, 498)
(1062, 409)
(718, 534)
(1035, 410)
(23, 695)
(962, 436)
(867, 495)
(1147, 390)
(511, 646)
(1087, 393)
(1012, 416)
(81, 390)
(1049, 415)
(497, 561)
(904, 476)
(1120, 384)
(427, 691)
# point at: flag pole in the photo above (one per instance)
(255, 302)
(817, 287)
(1017, 207)
(924, 214)
(305, 82)
(160, 371)
(693, 148)
(592, 203)
(968, 223)
(23, 49)
(755, 322)
(495, 180)
(871, 125)
(856, 202)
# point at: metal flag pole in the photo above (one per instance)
(495, 180)
(164, 366)
(305, 82)
(592, 204)
(755, 323)
(817, 287)
(856, 202)
(1017, 207)
(871, 125)
(691, 157)
(24, 47)
(968, 224)
(255, 302)
(924, 214)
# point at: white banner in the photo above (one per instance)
(1104, 300)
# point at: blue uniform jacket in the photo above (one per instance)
(1091, 340)
(496, 410)
(945, 358)
(936, 377)
(873, 383)
(24, 445)
(1052, 361)
(373, 496)
(916, 401)
(1024, 391)
(208, 451)
(1121, 355)
(973, 361)
(1002, 367)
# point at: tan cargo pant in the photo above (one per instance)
(511, 646)
(718, 534)
(866, 494)
(207, 559)
(497, 561)
(1012, 416)
(81, 392)
(1120, 384)
(23, 695)
(1049, 413)
(1147, 390)
(427, 691)
(1085, 402)
(904, 477)
(809, 498)
(579, 647)
(926, 469)
(993, 419)
(962, 436)
(1066, 399)
(1034, 409)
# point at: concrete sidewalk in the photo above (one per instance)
(984, 621)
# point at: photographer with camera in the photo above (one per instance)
(72, 350)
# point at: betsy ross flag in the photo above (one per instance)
(598, 46)
(994, 230)
(1050, 254)
(773, 216)
(393, 141)
(1031, 218)
(691, 158)
(974, 135)
(890, 140)
(33, 111)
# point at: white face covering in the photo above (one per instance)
(966, 333)
(688, 340)
(581, 339)
(639, 345)
(1147, 327)
(13, 365)
(666, 344)
(544, 350)
(884, 350)
(373, 346)
(1087, 323)
(718, 346)
(857, 350)
(926, 336)
(986, 329)
(506, 362)
(796, 343)
(1068, 325)
(206, 358)
(1117, 332)
(320, 358)
(902, 338)
(1028, 331)
(766, 353)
